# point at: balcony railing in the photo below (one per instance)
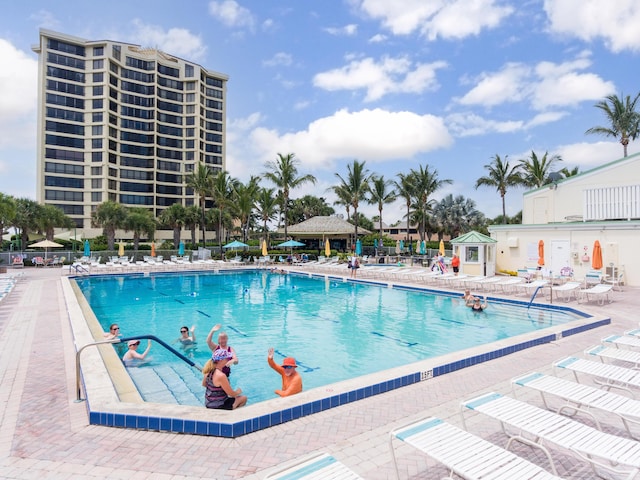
(612, 203)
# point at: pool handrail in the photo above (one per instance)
(116, 341)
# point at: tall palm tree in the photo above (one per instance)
(244, 197)
(7, 212)
(566, 173)
(201, 181)
(283, 173)
(502, 175)
(405, 189)
(266, 205)
(357, 186)
(624, 120)
(51, 217)
(455, 215)
(426, 183)
(192, 218)
(110, 216)
(26, 218)
(222, 189)
(174, 218)
(139, 221)
(344, 199)
(535, 171)
(380, 195)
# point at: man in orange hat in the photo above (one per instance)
(291, 379)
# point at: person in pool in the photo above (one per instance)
(219, 394)
(468, 298)
(187, 336)
(223, 343)
(132, 357)
(291, 379)
(477, 306)
(114, 332)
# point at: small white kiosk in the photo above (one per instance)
(477, 253)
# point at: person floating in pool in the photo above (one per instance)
(132, 358)
(223, 343)
(477, 306)
(291, 379)
(219, 394)
(187, 338)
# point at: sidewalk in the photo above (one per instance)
(44, 433)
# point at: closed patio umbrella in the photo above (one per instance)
(541, 253)
(397, 246)
(153, 250)
(423, 247)
(358, 247)
(264, 248)
(87, 249)
(441, 248)
(121, 250)
(596, 258)
(327, 248)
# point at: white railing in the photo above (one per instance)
(612, 203)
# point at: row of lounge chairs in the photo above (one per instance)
(548, 429)
(148, 263)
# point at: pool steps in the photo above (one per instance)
(170, 384)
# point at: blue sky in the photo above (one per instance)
(397, 84)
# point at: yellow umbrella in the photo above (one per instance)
(441, 248)
(264, 248)
(121, 250)
(327, 248)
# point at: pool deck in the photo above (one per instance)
(44, 433)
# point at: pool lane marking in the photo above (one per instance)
(408, 344)
(205, 314)
(237, 331)
(179, 301)
(300, 364)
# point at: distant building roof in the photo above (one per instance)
(325, 226)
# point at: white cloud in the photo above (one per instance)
(616, 23)
(347, 30)
(469, 124)
(546, 85)
(590, 155)
(452, 19)
(18, 102)
(175, 41)
(232, 14)
(45, 19)
(379, 38)
(372, 135)
(280, 58)
(390, 75)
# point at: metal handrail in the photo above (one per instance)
(116, 341)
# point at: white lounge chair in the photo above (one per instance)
(598, 292)
(529, 288)
(622, 341)
(537, 427)
(603, 352)
(607, 375)
(317, 467)
(509, 285)
(487, 283)
(582, 398)
(463, 453)
(567, 290)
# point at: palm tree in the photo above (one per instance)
(380, 195)
(566, 173)
(623, 119)
(501, 176)
(284, 175)
(426, 183)
(192, 218)
(26, 218)
(222, 189)
(455, 215)
(51, 217)
(405, 189)
(7, 212)
(200, 181)
(139, 221)
(357, 186)
(243, 202)
(174, 218)
(536, 170)
(110, 216)
(307, 207)
(266, 205)
(344, 200)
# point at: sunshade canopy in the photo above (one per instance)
(235, 244)
(291, 243)
(45, 244)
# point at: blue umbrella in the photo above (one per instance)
(375, 243)
(290, 244)
(423, 248)
(402, 245)
(87, 249)
(181, 249)
(358, 247)
(235, 244)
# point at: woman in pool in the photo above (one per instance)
(223, 340)
(477, 306)
(291, 379)
(132, 357)
(114, 332)
(219, 393)
(468, 298)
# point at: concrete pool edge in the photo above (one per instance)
(104, 407)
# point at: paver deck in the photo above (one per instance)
(44, 433)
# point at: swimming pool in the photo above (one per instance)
(336, 330)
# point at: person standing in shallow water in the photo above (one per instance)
(291, 379)
(223, 340)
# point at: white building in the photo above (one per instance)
(570, 215)
(124, 123)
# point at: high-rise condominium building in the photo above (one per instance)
(121, 122)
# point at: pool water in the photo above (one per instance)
(336, 330)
